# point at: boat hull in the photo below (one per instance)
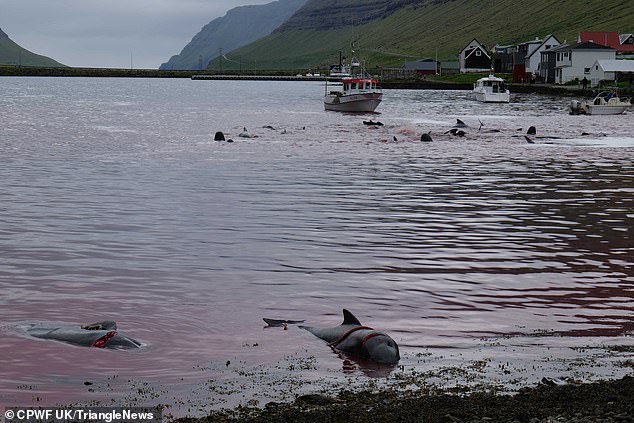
(492, 98)
(605, 110)
(366, 102)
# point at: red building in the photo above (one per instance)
(606, 38)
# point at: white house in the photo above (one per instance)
(474, 58)
(526, 49)
(576, 60)
(534, 57)
(608, 70)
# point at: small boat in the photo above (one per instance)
(491, 89)
(605, 103)
(353, 94)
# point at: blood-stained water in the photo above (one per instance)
(116, 203)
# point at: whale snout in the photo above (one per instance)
(383, 349)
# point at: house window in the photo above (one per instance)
(586, 70)
(478, 53)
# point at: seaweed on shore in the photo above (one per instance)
(603, 401)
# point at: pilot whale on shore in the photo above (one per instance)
(353, 338)
(100, 334)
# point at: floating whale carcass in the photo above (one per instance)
(353, 338)
(100, 335)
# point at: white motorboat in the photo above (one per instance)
(353, 94)
(605, 103)
(491, 89)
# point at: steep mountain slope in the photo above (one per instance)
(238, 27)
(331, 14)
(420, 28)
(13, 54)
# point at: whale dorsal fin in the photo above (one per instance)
(349, 319)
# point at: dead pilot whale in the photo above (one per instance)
(100, 334)
(353, 338)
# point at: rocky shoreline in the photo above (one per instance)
(607, 401)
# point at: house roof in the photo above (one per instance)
(421, 64)
(535, 41)
(469, 43)
(623, 37)
(605, 38)
(587, 45)
(450, 65)
(546, 38)
(498, 48)
(617, 65)
(478, 48)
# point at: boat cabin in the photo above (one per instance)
(358, 84)
(493, 86)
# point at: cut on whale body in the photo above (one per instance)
(100, 334)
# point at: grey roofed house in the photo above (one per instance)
(616, 65)
(626, 38)
(611, 70)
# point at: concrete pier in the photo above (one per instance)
(257, 78)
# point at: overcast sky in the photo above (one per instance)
(109, 33)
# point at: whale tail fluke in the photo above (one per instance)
(279, 323)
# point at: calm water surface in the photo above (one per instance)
(116, 203)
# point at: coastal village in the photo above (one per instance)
(592, 59)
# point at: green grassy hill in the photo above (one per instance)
(13, 54)
(430, 26)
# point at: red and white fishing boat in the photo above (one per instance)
(353, 94)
